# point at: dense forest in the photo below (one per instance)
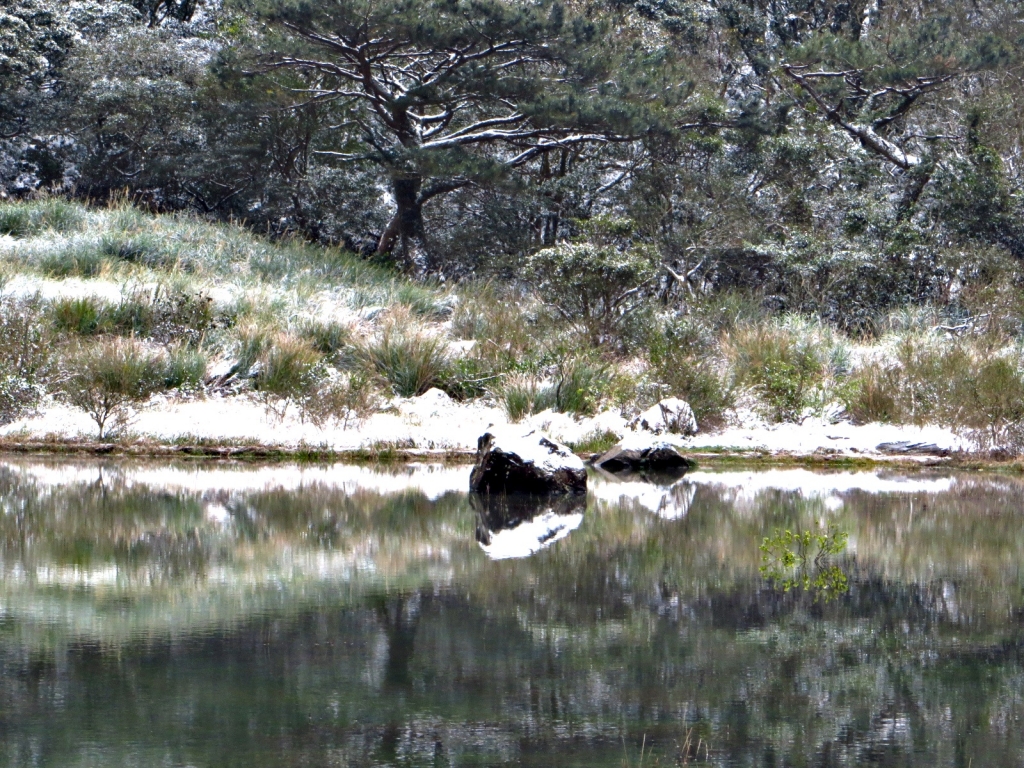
(653, 173)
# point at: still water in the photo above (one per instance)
(156, 614)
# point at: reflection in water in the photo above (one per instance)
(177, 614)
(510, 525)
(666, 494)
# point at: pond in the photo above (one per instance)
(159, 614)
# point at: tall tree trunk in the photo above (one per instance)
(405, 235)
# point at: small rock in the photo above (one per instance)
(670, 415)
(511, 462)
(905, 447)
(657, 457)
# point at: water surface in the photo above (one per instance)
(156, 614)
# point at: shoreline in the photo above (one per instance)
(724, 457)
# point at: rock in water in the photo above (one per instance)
(655, 457)
(508, 462)
(670, 415)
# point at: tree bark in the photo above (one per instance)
(405, 235)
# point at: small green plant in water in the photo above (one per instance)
(801, 560)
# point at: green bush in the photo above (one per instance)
(685, 363)
(344, 399)
(326, 337)
(580, 382)
(992, 411)
(110, 379)
(521, 395)
(184, 368)
(594, 287)
(785, 363)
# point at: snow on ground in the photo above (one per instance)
(434, 422)
(113, 291)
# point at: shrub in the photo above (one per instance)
(288, 372)
(579, 384)
(594, 287)
(184, 368)
(685, 363)
(785, 362)
(992, 407)
(344, 399)
(326, 337)
(110, 379)
(25, 356)
(409, 358)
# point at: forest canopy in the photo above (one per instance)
(836, 157)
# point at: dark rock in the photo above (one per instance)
(657, 457)
(907, 448)
(532, 463)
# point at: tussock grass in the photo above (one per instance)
(408, 356)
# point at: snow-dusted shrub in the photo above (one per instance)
(522, 395)
(340, 398)
(685, 363)
(110, 379)
(26, 351)
(289, 370)
(594, 287)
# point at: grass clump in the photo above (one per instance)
(597, 441)
(789, 364)
(523, 395)
(329, 338)
(409, 357)
(288, 371)
(185, 368)
(685, 363)
(79, 315)
(26, 219)
(110, 379)
(340, 398)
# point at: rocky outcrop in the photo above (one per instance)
(512, 462)
(634, 456)
(670, 415)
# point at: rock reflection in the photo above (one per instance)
(666, 494)
(511, 526)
